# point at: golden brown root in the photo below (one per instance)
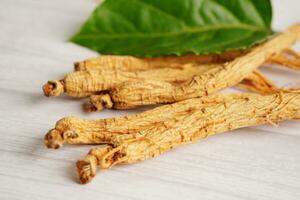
(72, 130)
(288, 58)
(86, 83)
(256, 82)
(130, 64)
(202, 117)
(136, 93)
(120, 69)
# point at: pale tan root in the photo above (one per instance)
(86, 83)
(130, 63)
(72, 130)
(132, 94)
(256, 82)
(202, 117)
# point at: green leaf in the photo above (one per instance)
(164, 27)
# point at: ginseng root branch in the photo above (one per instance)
(191, 120)
(130, 63)
(256, 82)
(95, 81)
(86, 83)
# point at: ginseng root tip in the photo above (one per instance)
(53, 139)
(98, 103)
(53, 88)
(86, 169)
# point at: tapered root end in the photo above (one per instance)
(87, 169)
(98, 103)
(54, 139)
(53, 88)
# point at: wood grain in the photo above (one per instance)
(254, 163)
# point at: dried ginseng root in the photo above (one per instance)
(78, 84)
(86, 83)
(73, 130)
(256, 82)
(191, 120)
(121, 69)
(132, 94)
(130, 63)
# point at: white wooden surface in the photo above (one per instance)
(254, 163)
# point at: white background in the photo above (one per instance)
(254, 163)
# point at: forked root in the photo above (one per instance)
(202, 117)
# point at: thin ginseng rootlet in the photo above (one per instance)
(194, 112)
(149, 134)
(125, 89)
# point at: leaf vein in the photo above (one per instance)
(185, 31)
